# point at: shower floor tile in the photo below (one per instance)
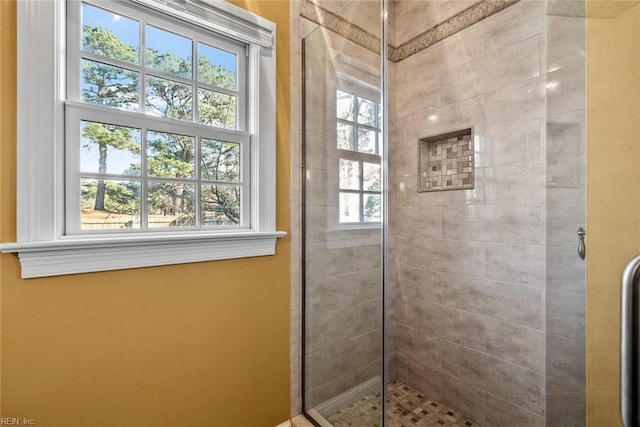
(406, 407)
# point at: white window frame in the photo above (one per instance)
(43, 245)
(360, 89)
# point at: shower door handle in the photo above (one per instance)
(582, 250)
(630, 345)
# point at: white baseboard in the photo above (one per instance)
(351, 396)
(285, 424)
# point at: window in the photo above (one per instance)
(359, 147)
(158, 133)
(155, 127)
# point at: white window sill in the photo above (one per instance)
(84, 255)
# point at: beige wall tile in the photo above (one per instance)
(444, 255)
(502, 68)
(420, 346)
(566, 41)
(518, 264)
(567, 409)
(516, 344)
(566, 365)
(565, 315)
(497, 300)
(566, 89)
(342, 290)
(518, 385)
(447, 389)
(341, 359)
(330, 328)
(326, 391)
(501, 413)
(521, 102)
(510, 144)
(513, 24)
(523, 223)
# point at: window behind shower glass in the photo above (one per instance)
(359, 143)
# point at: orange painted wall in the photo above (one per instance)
(203, 344)
(613, 199)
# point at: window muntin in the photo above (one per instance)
(359, 147)
(359, 191)
(358, 123)
(141, 124)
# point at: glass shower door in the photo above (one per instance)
(343, 215)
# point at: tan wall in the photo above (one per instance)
(613, 199)
(194, 344)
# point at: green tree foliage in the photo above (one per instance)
(170, 156)
(372, 208)
(103, 84)
(220, 161)
(121, 197)
(215, 108)
(105, 43)
(105, 136)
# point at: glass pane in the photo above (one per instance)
(220, 161)
(371, 177)
(108, 148)
(109, 34)
(220, 205)
(109, 86)
(371, 208)
(217, 109)
(367, 141)
(109, 204)
(167, 98)
(170, 155)
(217, 67)
(345, 136)
(345, 105)
(170, 205)
(349, 175)
(344, 354)
(367, 112)
(169, 52)
(349, 207)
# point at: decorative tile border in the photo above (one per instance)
(456, 23)
(339, 25)
(362, 37)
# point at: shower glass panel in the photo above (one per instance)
(481, 191)
(343, 213)
(565, 197)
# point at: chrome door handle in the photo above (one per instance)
(630, 345)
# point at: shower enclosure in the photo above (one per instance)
(444, 187)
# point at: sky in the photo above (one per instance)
(127, 30)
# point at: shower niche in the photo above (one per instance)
(446, 161)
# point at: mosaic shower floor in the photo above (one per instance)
(406, 407)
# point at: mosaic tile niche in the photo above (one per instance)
(446, 161)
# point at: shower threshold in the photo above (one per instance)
(405, 407)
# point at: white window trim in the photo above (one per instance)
(42, 245)
(353, 86)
